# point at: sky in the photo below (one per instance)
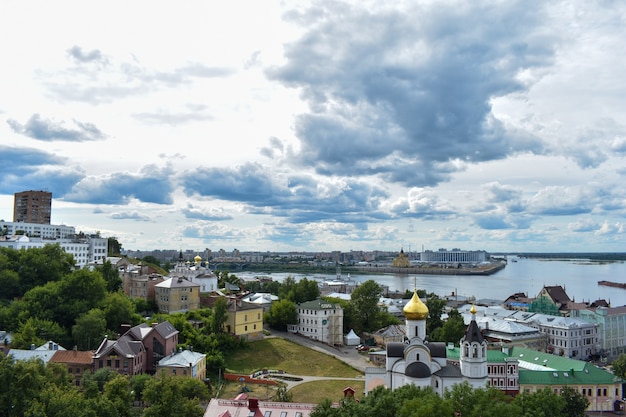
(320, 125)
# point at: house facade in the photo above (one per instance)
(177, 295)
(184, 363)
(320, 320)
(77, 362)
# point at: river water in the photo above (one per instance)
(578, 277)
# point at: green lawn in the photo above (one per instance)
(315, 392)
(276, 353)
(281, 354)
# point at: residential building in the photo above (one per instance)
(32, 207)
(85, 250)
(44, 352)
(44, 231)
(139, 349)
(243, 319)
(184, 363)
(158, 339)
(77, 362)
(320, 320)
(125, 355)
(611, 322)
(177, 295)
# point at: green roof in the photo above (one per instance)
(590, 375)
(540, 368)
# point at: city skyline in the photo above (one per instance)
(321, 125)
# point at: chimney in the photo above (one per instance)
(253, 404)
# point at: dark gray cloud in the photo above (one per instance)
(29, 168)
(402, 92)
(151, 184)
(297, 196)
(48, 130)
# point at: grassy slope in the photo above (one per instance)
(275, 353)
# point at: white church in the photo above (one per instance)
(424, 364)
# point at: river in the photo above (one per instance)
(578, 277)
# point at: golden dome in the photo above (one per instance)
(415, 309)
(197, 258)
(473, 309)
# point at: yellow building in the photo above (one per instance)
(184, 363)
(243, 319)
(177, 295)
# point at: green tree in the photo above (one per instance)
(575, 403)
(117, 391)
(164, 396)
(219, 316)
(90, 329)
(10, 284)
(619, 366)
(38, 266)
(113, 246)
(541, 403)
(151, 260)
(364, 300)
(111, 276)
(80, 291)
(119, 309)
(435, 309)
(280, 314)
(36, 331)
(452, 330)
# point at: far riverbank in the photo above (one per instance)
(488, 269)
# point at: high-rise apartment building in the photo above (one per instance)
(32, 207)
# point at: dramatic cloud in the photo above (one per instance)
(413, 89)
(31, 169)
(150, 184)
(46, 129)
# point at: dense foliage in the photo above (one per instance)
(461, 400)
(33, 389)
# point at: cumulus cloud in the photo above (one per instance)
(610, 229)
(80, 56)
(48, 130)
(34, 169)
(130, 215)
(298, 196)
(583, 225)
(409, 87)
(202, 213)
(151, 184)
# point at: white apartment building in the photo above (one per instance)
(320, 320)
(44, 231)
(85, 250)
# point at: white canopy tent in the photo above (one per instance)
(351, 339)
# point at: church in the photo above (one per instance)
(426, 364)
